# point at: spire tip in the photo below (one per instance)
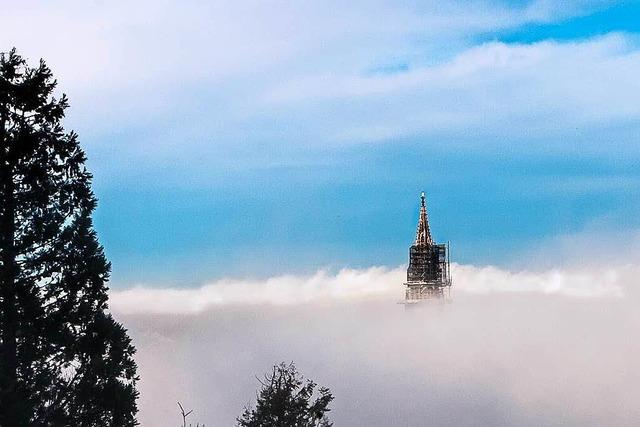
(423, 234)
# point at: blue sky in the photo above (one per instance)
(255, 138)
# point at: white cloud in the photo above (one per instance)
(166, 41)
(281, 290)
(146, 62)
(575, 283)
(496, 88)
(349, 284)
(169, 84)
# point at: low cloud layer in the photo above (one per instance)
(349, 284)
(526, 348)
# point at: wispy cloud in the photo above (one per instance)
(207, 82)
(485, 89)
(136, 63)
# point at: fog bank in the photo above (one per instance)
(557, 347)
(349, 284)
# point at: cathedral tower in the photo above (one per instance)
(428, 274)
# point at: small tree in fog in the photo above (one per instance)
(185, 414)
(287, 399)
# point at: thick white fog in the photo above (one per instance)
(525, 349)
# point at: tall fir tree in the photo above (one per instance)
(64, 360)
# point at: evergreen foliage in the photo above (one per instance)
(286, 400)
(64, 361)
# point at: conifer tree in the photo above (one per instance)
(64, 361)
(287, 400)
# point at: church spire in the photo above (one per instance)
(423, 234)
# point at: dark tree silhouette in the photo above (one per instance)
(286, 400)
(64, 361)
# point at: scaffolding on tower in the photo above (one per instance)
(429, 271)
